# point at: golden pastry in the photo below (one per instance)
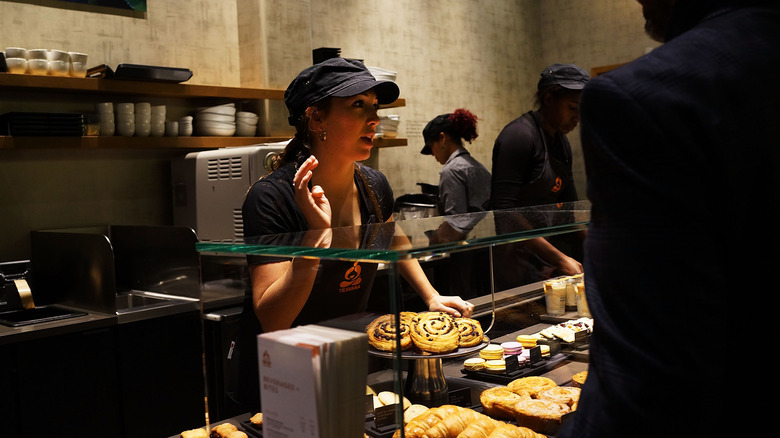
(420, 424)
(471, 333)
(453, 425)
(567, 395)
(511, 431)
(195, 433)
(539, 415)
(498, 402)
(257, 419)
(474, 364)
(222, 430)
(492, 352)
(435, 332)
(531, 385)
(481, 427)
(382, 333)
(579, 378)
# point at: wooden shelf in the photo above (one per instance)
(119, 142)
(39, 86)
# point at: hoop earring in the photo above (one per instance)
(323, 135)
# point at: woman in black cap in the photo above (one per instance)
(532, 165)
(319, 185)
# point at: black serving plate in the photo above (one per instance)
(22, 317)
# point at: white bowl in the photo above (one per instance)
(172, 129)
(157, 129)
(217, 132)
(143, 129)
(38, 66)
(59, 68)
(125, 108)
(78, 57)
(158, 110)
(125, 129)
(228, 108)
(215, 117)
(241, 114)
(15, 52)
(104, 107)
(38, 54)
(246, 132)
(107, 127)
(57, 55)
(16, 65)
(250, 120)
(143, 108)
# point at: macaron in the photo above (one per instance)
(512, 348)
(527, 341)
(545, 350)
(474, 364)
(492, 352)
(495, 366)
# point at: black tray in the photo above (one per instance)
(504, 378)
(152, 73)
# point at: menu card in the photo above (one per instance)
(312, 382)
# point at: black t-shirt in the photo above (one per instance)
(341, 287)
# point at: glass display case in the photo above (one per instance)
(488, 258)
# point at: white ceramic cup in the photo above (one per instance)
(172, 129)
(107, 127)
(57, 55)
(105, 107)
(78, 69)
(125, 128)
(38, 54)
(16, 52)
(158, 110)
(125, 108)
(78, 57)
(142, 129)
(143, 108)
(59, 67)
(38, 66)
(157, 129)
(16, 65)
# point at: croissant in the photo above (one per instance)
(421, 423)
(499, 401)
(504, 430)
(452, 425)
(480, 428)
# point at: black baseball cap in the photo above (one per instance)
(567, 76)
(439, 124)
(334, 77)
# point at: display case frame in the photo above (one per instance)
(416, 239)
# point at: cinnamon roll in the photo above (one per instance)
(531, 385)
(435, 332)
(382, 333)
(471, 333)
(498, 402)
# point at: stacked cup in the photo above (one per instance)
(38, 61)
(143, 119)
(125, 119)
(157, 121)
(246, 124)
(59, 62)
(185, 126)
(105, 112)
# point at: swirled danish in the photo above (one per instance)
(382, 333)
(498, 402)
(579, 378)
(567, 395)
(539, 414)
(471, 333)
(531, 385)
(435, 332)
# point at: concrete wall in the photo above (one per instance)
(484, 55)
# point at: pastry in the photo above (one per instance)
(222, 430)
(567, 395)
(545, 349)
(421, 423)
(471, 333)
(579, 378)
(512, 348)
(531, 385)
(414, 411)
(195, 433)
(495, 366)
(527, 341)
(389, 398)
(504, 430)
(481, 427)
(435, 332)
(453, 425)
(474, 364)
(539, 414)
(236, 434)
(498, 402)
(382, 333)
(257, 419)
(492, 352)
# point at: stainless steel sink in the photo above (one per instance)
(138, 301)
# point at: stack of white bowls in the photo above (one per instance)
(143, 119)
(381, 74)
(388, 126)
(157, 121)
(46, 62)
(105, 111)
(125, 119)
(246, 124)
(216, 120)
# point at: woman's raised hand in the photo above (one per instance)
(313, 203)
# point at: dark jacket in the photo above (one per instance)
(682, 152)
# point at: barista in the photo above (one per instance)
(532, 165)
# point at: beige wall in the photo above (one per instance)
(484, 55)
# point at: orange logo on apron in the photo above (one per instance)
(558, 183)
(352, 279)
